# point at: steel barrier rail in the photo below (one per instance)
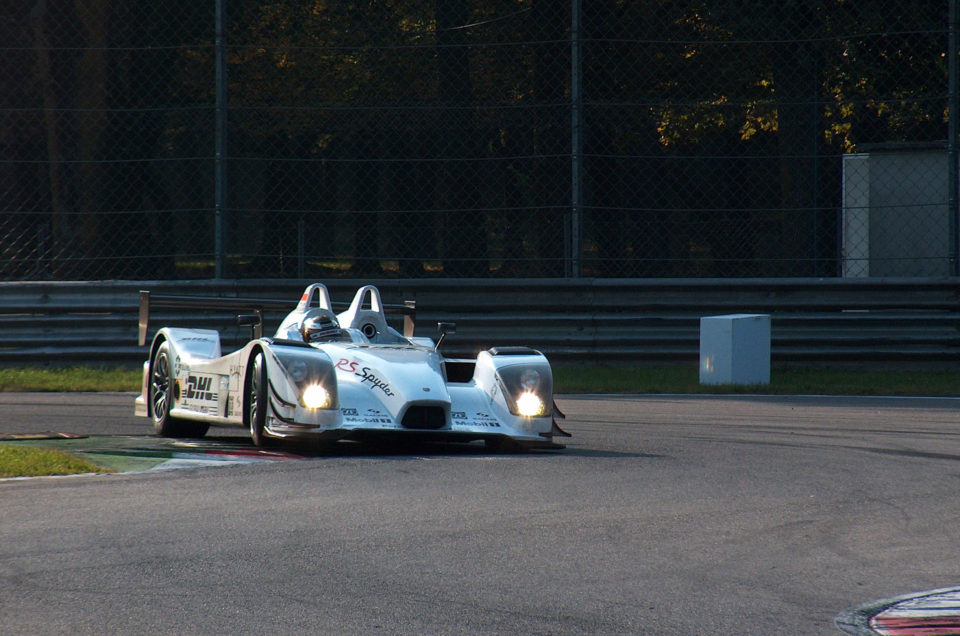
(571, 320)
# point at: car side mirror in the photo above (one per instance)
(254, 321)
(443, 328)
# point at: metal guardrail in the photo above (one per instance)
(571, 320)
(255, 320)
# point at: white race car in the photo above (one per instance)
(328, 376)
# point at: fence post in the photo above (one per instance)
(220, 142)
(573, 265)
(953, 88)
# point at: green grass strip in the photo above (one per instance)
(30, 461)
(69, 379)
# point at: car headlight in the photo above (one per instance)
(312, 374)
(527, 388)
(530, 405)
(298, 371)
(315, 397)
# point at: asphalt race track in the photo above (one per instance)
(670, 515)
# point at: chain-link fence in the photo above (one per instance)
(411, 138)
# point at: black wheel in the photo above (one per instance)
(255, 396)
(161, 399)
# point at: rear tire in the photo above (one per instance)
(255, 400)
(161, 396)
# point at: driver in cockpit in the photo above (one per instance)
(320, 326)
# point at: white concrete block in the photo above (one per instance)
(735, 349)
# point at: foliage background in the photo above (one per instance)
(411, 138)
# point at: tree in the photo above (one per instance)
(819, 78)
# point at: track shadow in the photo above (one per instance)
(412, 448)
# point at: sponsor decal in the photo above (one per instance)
(350, 366)
(199, 388)
(477, 423)
(371, 416)
(368, 420)
(479, 419)
(366, 374)
(375, 382)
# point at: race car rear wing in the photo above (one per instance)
(252, 309)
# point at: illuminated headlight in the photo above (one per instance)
(316, 397)
(527, 389)
(312, 374)
(529, 405)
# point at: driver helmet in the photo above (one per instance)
(319, 327)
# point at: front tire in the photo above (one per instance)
(255, 396)
(161, 397)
